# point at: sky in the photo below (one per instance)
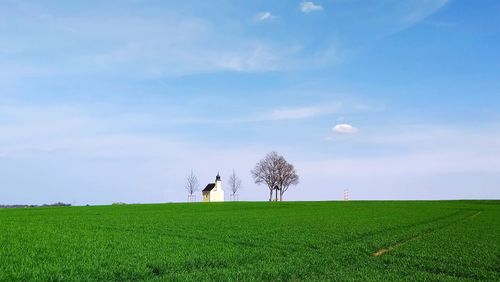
(118, 101)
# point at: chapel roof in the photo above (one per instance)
(210, 187)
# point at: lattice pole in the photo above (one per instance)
(346, 194)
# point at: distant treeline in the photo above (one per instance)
(58, 204)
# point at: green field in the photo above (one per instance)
(443, 240)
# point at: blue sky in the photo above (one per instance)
(106, 101)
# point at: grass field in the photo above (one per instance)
(444, 240)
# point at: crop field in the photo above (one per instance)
(380, 240)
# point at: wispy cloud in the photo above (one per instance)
(424, 9)
(304, 112)
(252, 58)
(431, 148)
(295, 113)
(190, 48)
(264, 16)
(151, 47)
(172, 44)
(308, 6)
(278, 114)
(284, 113)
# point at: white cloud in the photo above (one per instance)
(344, 128)
(307, 7)
(264, 16)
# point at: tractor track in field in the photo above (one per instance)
(384, 250)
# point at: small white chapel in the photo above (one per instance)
(213, 192)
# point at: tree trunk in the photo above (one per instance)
(271, 195)
(281, 196)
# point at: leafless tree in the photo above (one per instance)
(287, 176)
(264, 172)
(234, 184)
(192, 185)
(276, 173)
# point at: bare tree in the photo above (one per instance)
(267, 171)
(192, 185)
(287, 176)
(234, 184)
